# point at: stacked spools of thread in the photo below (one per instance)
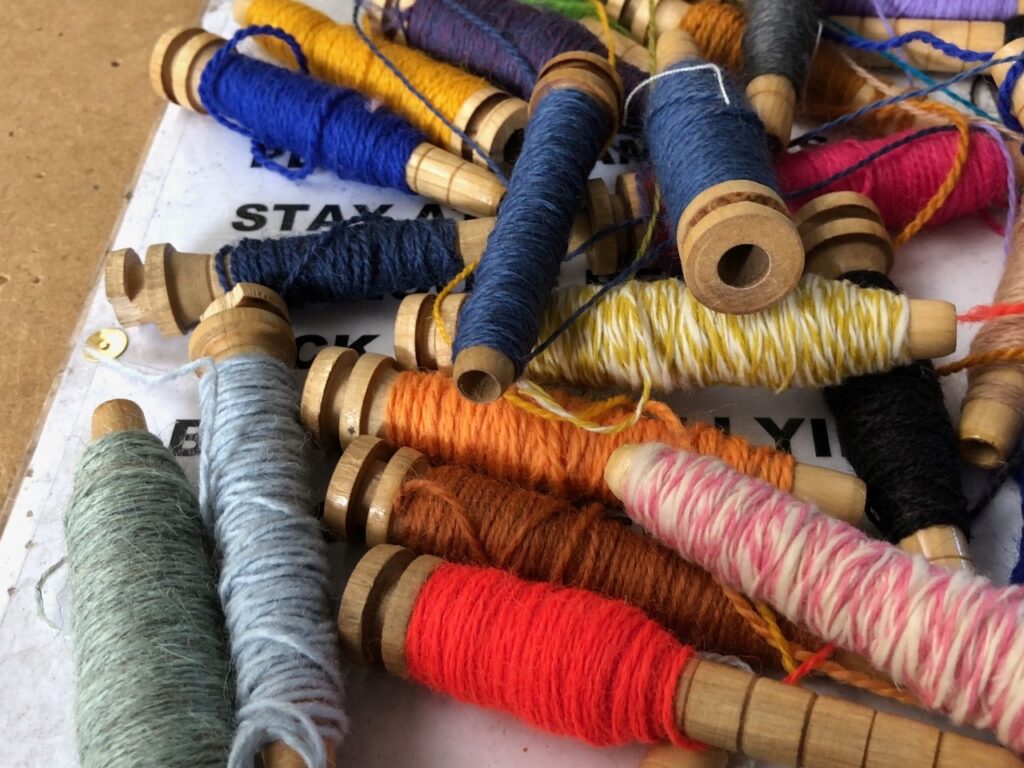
(489, 465)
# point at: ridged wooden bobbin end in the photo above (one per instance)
(634, 15)
(495, 121)
(364, 486)
(460, 184)
(942, 545)
(176, 66)
(418, 343)
(740, 250)
(585, 72)
(377, 604)
(117, 416)
(249, 319)
(843, 232)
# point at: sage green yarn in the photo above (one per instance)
(153, 686)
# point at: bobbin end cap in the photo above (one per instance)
(585, 72)
(483, 374)
(931, 332)
(988, 429)
(124, 280)
(348, 498)
(325, 379)
(248, 319)
(117, 416)
(617, 466)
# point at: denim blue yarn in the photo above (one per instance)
(329, 127)
(696, 140)
(520, 265)
(505, 41)
(355, 259)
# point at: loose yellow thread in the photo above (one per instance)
(777, 638)
(606, 29)
(438, 320)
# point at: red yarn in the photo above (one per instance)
(564, 660)
(902, 182)
(984, 312)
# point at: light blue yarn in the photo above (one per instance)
(256, 496)
(701, 132)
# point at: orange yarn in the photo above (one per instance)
(426, 411)
(456, 513)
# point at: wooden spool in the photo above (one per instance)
(117, 416)
(971, 35)
(249, 319)
(739, 247)
(483, 373)
(723, 707)
(492, 118)
(669, 756)
(346, 396)
(176, 69)
(999, 73)
(989, 429)
(635, 16)
(843, 232)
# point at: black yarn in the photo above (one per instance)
(1014, 28)
(897, 435)
(780, 39)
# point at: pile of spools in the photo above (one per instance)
(489, 464)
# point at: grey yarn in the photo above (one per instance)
(780, 39)
(255, 490)
(153, 684)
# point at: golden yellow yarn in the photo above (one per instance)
(337, 54)
(657, 334)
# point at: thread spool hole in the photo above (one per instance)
(744, 265)
(513, 147)
(479, 386)
(981, 453)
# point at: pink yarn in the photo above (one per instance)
(954, 639)
(903, 181)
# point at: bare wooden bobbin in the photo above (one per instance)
(176, 70)
(635, 15)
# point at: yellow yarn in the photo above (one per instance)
(337, 54)
(657, 333)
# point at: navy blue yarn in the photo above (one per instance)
(505, 41)
(329, 127)
(1017, 575)
(696, 140)
(1005, 98)
(376, 51)
(520, 265)
(917, 36)
(359, 258)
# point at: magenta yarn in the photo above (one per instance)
(954, 639)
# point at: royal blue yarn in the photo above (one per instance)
(917, 36)
(564, 139)
(329, 127)
(696, 140)
(505, 41)
(355, 259)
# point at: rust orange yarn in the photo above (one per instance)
(425, 411)
(456, 513)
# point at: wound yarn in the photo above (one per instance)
(328, 127)
(896, 433)
(656, 332)
(954, 639)
(968, 10)
(902, 181)
(780, 39)
(337, 54)
(485, 637)
(152, 682)
(256, 497)
(425, 411)
(462, 516)
(564, 138)
(356, 259)
(478, 35)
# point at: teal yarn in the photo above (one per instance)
(701, 132)
(520, 265)
(256, 495)
(153, 684)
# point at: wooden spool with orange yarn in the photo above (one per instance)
(714, 704)
(347, 395)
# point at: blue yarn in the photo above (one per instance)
(329, 127)
(563, 140)
(696, 140)
(917, 36)
(1005, 98)
(1017, 575)
(355, 259)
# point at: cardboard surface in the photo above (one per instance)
(76, 113)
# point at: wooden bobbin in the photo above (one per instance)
(989, 428)
(843, 232)
(483, 373)
(723, 707)
(740, 250)
(773, 98)
(117, 416)
(176, 70)
(172, 288)
(970, 35)
(669, 756)
(999, 73)
(635, 16)
(626, 48)
(249, 319)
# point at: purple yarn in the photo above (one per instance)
(972, 10)
(485, 36)
(329, 127)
